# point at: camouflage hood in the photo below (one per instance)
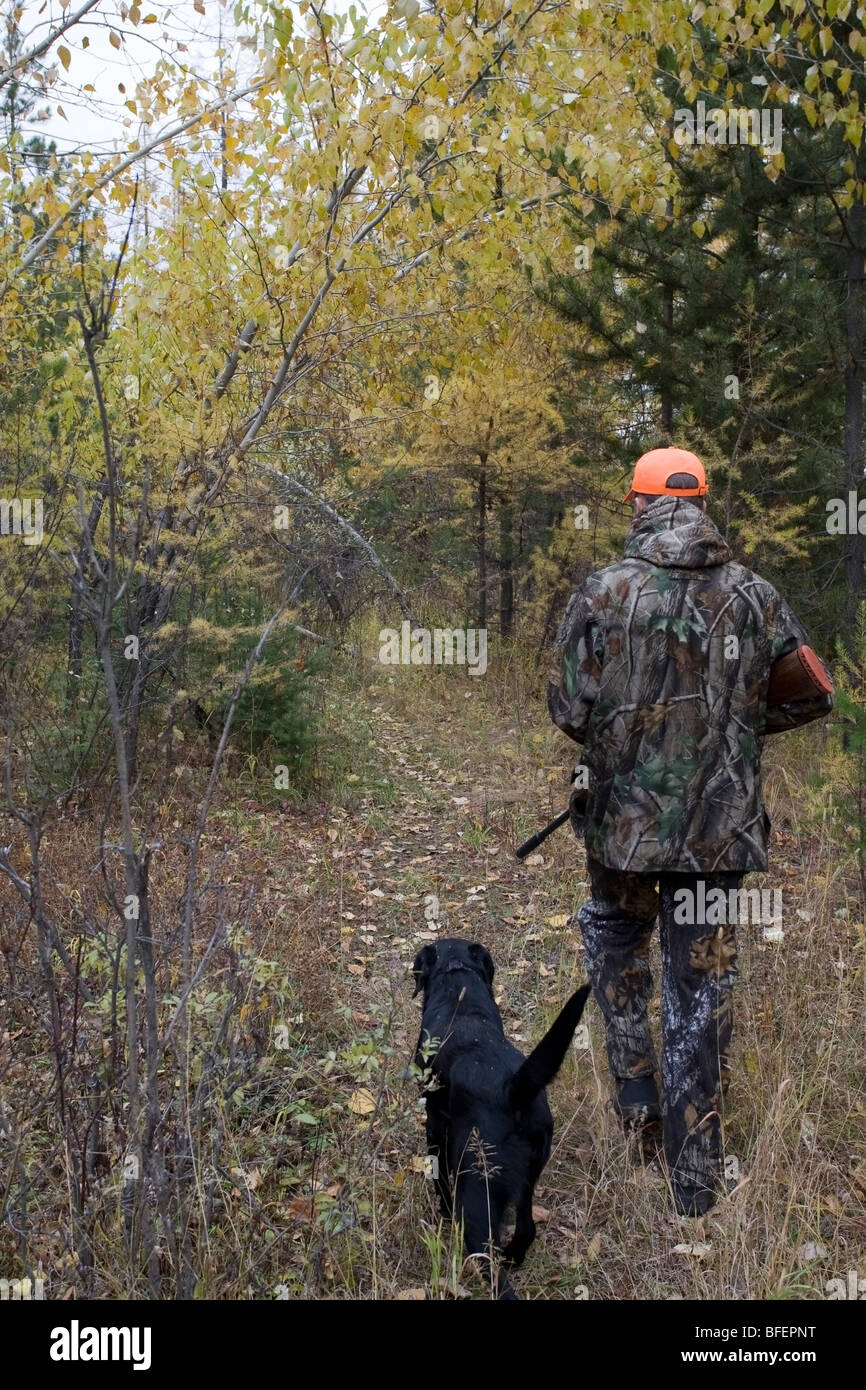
(660, 670)
(673, 532)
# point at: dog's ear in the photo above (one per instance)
(483, 958)
(423, 964)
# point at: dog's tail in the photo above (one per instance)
(544, 1061)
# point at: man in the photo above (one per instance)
(661, 670)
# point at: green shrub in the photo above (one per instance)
(275, 712)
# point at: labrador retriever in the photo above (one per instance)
(488, 1120)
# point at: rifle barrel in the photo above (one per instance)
(541, 835)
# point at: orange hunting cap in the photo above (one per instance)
(652, 471)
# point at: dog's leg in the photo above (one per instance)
(437, 1148)
(442, 1182)
(481, 1208)
(524, 1230)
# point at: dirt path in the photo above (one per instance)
(423, 848)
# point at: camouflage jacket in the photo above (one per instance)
(660, 669)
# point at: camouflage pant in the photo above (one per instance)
(699, 966)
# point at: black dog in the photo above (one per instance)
(488, 1120)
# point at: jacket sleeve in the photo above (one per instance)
(786, 634)
(576, 666)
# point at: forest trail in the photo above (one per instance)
(432, 856)
(310, 1144)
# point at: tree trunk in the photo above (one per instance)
(74, 649)
(482, 545)
(854, 342)
(76, 611)
(667, 418)
(506, 570)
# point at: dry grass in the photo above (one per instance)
(430, 780)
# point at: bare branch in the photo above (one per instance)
(35, 53)
(242, 345)
(42, 921)
(292, 486)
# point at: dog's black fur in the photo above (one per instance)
(488, 1120)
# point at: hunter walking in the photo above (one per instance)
(661, 671)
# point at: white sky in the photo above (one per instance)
(95, 120)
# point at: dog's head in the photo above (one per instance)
(451, 954)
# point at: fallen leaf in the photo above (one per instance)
(301, 1208)
(362, 1102)
(811, 1251)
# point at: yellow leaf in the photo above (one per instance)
(114, 39)
(65, 56)
(362, 1102)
